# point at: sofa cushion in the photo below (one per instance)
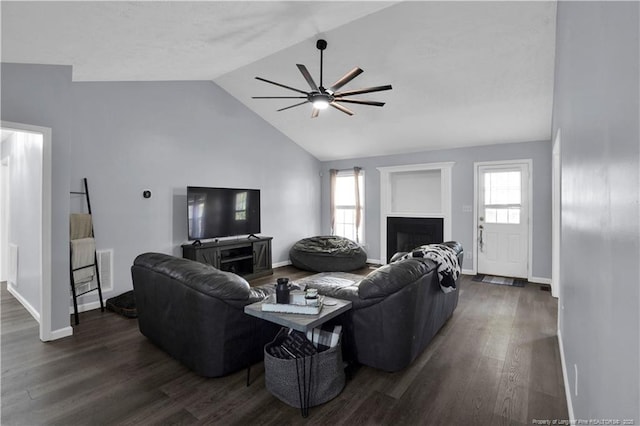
(341, 285)
(391, 278)
(201, 277)
(259, 293)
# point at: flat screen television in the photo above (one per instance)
(222, 212)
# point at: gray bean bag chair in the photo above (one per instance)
(327, 254)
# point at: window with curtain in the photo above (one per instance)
(347, 203)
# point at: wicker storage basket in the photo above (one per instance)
(304, 382)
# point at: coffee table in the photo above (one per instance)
(301, 322)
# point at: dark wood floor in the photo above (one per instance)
(495, 362)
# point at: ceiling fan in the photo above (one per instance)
(321, 97)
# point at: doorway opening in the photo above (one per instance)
(25, 219)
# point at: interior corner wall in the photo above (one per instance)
(596, 107)
(127, 137)
(462, 193)
(40, 95)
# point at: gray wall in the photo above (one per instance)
(161, 136)
(24, 152)
(462, 193)
(596, 108)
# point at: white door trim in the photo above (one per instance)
(46, 281)
(476, 168)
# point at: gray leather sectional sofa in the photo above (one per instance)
(196, 313)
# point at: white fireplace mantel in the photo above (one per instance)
(415, 190)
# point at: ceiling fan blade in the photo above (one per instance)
(315, 112)
(341, 108)
(361, 91)
(307, 76)
(356, 101)
(347, 78)
(281, 85)
(292, 106)
(278, 97)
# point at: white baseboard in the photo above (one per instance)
(53, 334)
(539, 280)
(536, 280)
(281, 264)
(374, 261)
(567, 388)
(84, 307)
(59, 333)
(33, 311)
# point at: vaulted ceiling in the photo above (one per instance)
(463, 73)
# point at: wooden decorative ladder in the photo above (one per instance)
(72, 270)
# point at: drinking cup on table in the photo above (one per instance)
(282, 290)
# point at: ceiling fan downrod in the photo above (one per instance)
(321, 45)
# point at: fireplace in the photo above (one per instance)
(407, 233)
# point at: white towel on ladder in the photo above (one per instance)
(83, 254)
(80, 226)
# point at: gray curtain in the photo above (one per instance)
(356, 176)
(333, 173)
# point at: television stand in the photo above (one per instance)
(249, 258)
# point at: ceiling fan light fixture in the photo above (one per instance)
(320, 100)
(321, 104)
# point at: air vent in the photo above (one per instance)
(105, 266)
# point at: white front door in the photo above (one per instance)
(503, 219)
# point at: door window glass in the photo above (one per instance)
(502, 197)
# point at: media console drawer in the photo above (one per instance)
(248, 257)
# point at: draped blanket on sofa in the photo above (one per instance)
(445, 257)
